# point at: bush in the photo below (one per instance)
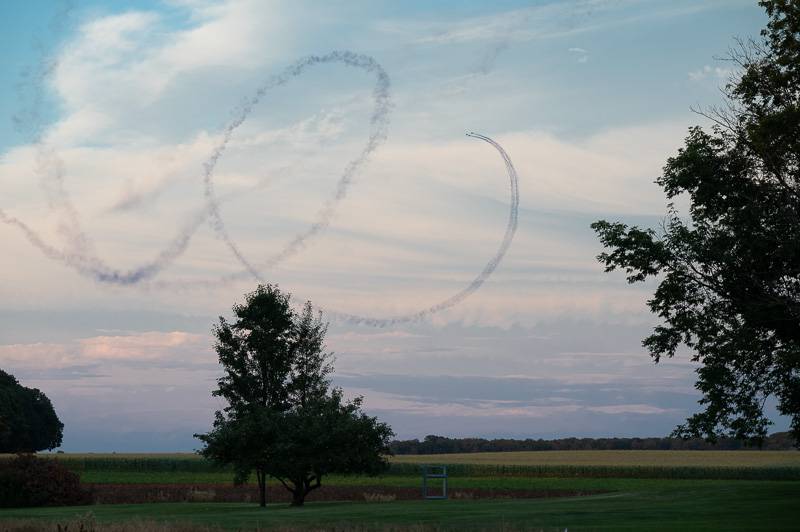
(30, 481)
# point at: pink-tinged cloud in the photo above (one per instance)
(175, 346)
(143, 346)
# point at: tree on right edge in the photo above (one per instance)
(729, 275)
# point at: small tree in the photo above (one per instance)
(28, 422)
(328, 435)
(283, 419)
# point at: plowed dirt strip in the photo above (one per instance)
(146, 493)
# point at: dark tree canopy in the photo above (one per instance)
(729, 274)
(328, 435)
(28, 422)
(283, 419)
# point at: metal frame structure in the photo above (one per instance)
(428, 472)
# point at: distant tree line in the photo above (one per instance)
(439, 444)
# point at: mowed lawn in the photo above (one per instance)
(654, 505)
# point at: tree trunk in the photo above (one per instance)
(303, 487)
(262, 487)
(299, 492)
(298, 496)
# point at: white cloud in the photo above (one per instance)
(710, 72)
(583, 55)
(119, 65)
(545, 21)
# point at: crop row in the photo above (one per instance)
(192, 464)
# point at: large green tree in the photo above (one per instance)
(283, 418)
(728, 271)
(28, 422)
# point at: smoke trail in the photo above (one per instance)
(494, 262)
(29, 121)
(379, 126)
(80, 257)
(455, 299)
(82, 260)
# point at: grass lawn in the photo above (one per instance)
(640, 505)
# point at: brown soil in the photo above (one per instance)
(142, 493)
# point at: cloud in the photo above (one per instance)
(522, 407)
(156, 348)
(551, 345)
(419, 199)
(546, 21)
(66, 373)
(711, 72)
(424, 218)
(142, 346)
(583, 55)
(136, 56)
(383, 402)
(640, 409)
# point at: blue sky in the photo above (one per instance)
(123, 102)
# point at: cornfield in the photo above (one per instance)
(187, 463)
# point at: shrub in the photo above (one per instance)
(30, 481)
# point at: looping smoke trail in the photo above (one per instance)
(379, 126)
(82, 260)
(461, 295)
(511, 229)
(80, 257)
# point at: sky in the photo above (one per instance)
(119, 118)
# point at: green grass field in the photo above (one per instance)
(739, 505)
(630, 502)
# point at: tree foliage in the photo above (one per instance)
(28, 422)
(729, 275)
(283, 419)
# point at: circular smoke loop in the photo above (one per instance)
(80, 256)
